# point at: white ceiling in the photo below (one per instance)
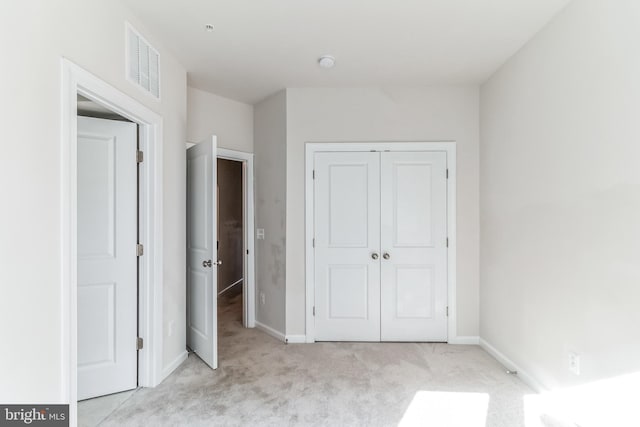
(261, 46)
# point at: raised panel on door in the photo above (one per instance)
(107, 262)
(96, 192)
(198, 313)
(97, 331)
(413, 284)
(202, 319)
(347, 232)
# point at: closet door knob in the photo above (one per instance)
(374, 255)
(386, 255)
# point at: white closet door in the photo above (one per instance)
(414, 246)
(347, 235)
(107, 260)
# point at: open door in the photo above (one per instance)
(202, 294)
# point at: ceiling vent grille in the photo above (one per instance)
(143, 63)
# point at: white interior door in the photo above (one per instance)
(202, 295)
(107, 260)
(414, 246)
(347, 223)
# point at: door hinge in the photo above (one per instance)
(447, 242)
(314, 310)
(313, 174)
(139, 249)
(139, 156)
(247, 251)
(447, 311)
(139, 343)
(447, 173)
(313, 242)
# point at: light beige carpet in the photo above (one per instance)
(263, 382)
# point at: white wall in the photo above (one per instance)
(410, 114)
(270, 176)
(34, 36)
(560, 192)
(231, 121)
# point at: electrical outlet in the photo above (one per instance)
(260, 233)
(574, 363)
(262, 298)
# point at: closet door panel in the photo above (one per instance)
(347, 235)
(413, 285)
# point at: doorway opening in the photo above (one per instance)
(230, 205)
(235, 222)
(206, 200)
(108, 227)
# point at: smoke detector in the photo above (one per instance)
(326, 61)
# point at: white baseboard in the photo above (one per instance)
(270, 331)
(296, 339)
(174, 365)
(465, 340)
(527, 378)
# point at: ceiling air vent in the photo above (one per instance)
(143, 63)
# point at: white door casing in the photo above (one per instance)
(399, 213)
(202, 319)
(76, 80)
(347, 221)
(107, 260)
(413, 294)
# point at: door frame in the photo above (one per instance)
(76, 80)
(311, 148)
(249, 267)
